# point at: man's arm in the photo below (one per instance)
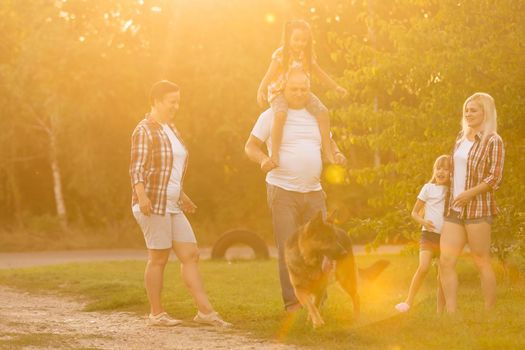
(253, 149)
(339, 157)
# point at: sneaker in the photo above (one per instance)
(162, 320)
(402, 307)
(212, 319)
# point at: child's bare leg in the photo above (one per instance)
(425, 258)
(277, 135)
(324, 127)
(319, 110)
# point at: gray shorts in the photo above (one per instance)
(313, 105)
(161, 230)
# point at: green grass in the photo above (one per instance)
(247, 294)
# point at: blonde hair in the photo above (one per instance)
(441, 160)
(490, 122)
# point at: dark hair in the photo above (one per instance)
(289, 27)
(161, 88)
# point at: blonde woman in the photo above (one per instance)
(477, 171)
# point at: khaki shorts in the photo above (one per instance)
(161, 230)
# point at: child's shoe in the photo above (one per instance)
(402, 307)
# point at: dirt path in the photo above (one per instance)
(47, 322)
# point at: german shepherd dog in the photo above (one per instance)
(304, 254)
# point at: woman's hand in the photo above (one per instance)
(261, 98)
(186, 204)
(429, 225)
(462, 199)
(145, 205)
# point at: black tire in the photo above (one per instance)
(233, 237)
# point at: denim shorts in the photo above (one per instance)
(430, 241)
(454, 217)
(313, 105)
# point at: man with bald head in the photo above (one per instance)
(294, 189)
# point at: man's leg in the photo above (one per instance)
(285, 222)
(311, 204)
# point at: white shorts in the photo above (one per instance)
(161, 230)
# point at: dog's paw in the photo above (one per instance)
(318, 324)
(327, 266)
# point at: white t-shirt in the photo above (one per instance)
(300, 163)
(179, 158)
(434, 197)
(460, 167)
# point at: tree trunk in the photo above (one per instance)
(15, 195)
(57, 183)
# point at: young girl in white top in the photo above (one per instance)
(431, 200)
(296, 53)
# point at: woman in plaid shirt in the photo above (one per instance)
(158, 164)
(477, 171)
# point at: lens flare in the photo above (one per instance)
(269, 18)
(335, 174)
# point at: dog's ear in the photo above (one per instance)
(330, 219)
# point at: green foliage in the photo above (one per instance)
(82, 71)
(417, 62)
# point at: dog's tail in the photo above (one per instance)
(370, 273)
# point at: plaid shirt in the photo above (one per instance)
(484, 164)
(152, 162)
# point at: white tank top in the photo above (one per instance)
(460, 167)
